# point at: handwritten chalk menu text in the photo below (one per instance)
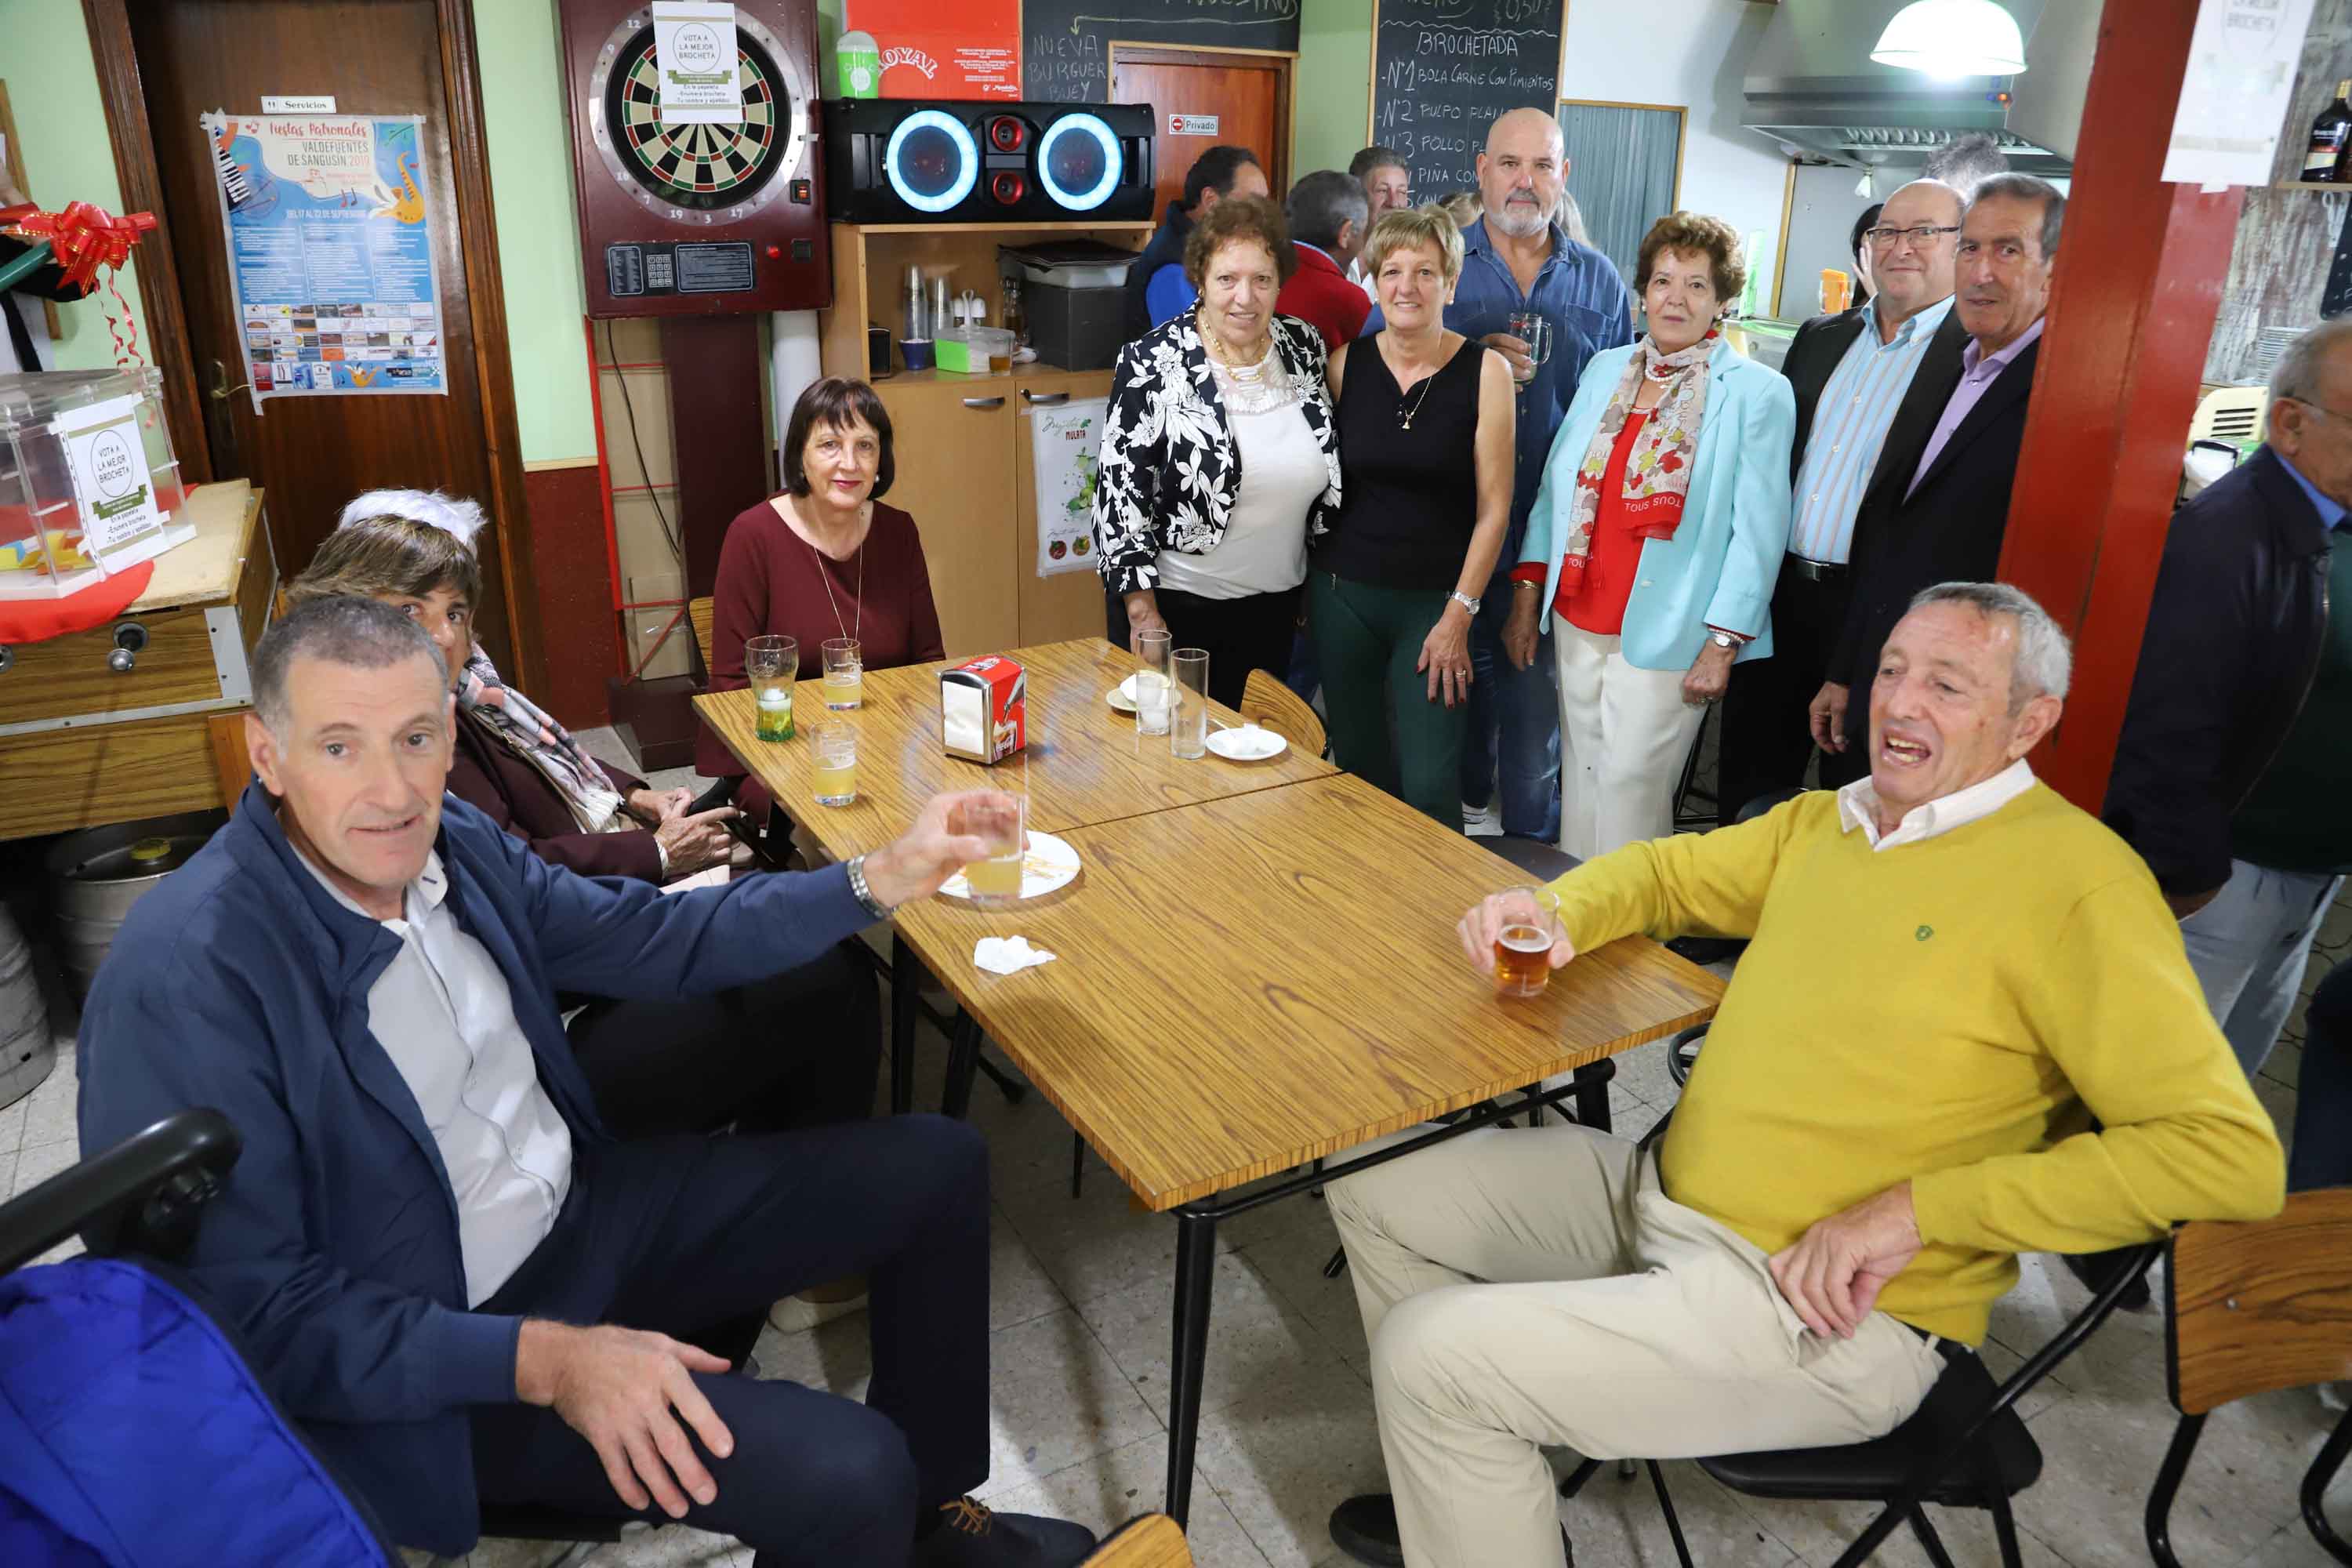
(1066, 48)
(1443, 71)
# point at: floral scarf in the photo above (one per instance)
(1657, 474)
(544, 743)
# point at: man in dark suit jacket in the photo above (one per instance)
(1938, 505)
(1866, 371)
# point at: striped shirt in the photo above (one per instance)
(1849, 424)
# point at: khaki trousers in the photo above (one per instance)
(1624, 732)
(1526, 1290)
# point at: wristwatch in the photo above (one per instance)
(1464, 600)
(862, 893)
(1723, 639)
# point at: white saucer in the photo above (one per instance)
(1122, 696)
(1050, 865)
(1246, 743)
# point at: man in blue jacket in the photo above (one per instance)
(460, 1285)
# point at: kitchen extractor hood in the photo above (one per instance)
(1812, 87)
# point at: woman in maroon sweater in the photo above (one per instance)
(825, 559)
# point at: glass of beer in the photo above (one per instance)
(845, 674)
(1523, 942)
(771, 665)
(1003, 824)
(834, 759)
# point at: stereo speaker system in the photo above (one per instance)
(911, 161)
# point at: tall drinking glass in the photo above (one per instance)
(844, 673)
(1152, 698)
(1003, 824)
(770, 665)
(1188, 725)
(1523, 945)
(834, 762)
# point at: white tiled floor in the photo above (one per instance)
(1079, 1312)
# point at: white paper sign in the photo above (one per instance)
(1191, 125)
(2236, 95)
(701, 74)
(109, 462)
(298, 103)
(1064, 444)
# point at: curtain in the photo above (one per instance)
(1622, 172)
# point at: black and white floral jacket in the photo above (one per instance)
(1169, 470)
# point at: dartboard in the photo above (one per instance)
(714, 172)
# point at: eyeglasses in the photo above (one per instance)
(1921, 237)
(2321, 408)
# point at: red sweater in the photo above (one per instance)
(771, 581)
(1320, 294)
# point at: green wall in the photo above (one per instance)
(539, 237)
(52, 80)
(1334, 84)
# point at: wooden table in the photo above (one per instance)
(1249, 979)
(83, 744)
(1083, 762)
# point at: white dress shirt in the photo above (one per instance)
(1858, 807)
(442, 1011)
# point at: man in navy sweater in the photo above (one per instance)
(453, 1279)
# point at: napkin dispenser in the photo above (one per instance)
(983, 709)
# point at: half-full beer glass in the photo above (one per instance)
(1523, 942)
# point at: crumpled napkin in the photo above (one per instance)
(1008, 954)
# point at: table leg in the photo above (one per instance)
(1196, 1270)
(963, 1061)
(905, 1008)
(1592, 1094)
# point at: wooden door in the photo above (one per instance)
(314, 453)
(1067, 603)
(951, 439)
(1244, 92)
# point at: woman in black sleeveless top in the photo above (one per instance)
(1425, 448)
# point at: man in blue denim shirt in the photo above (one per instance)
(1515, 259)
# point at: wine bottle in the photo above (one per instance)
(2331, 139)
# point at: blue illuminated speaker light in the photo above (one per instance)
(1078, 161)
(932, 162)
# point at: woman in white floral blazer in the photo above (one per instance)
(1218, 459)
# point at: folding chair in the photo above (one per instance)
(2249, 1308)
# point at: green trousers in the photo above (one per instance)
(1384, 728)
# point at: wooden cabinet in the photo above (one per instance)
(961, 442)
(951, 437)
(1069, 604)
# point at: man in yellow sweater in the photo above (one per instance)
(1951, 972)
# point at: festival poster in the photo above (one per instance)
(967, 50)
(1064, 443)
(330, 253)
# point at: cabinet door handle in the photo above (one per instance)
(1045, 400)
(983, 403)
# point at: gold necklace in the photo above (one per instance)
(827, 578)
(1224, 355)
(1405, 416)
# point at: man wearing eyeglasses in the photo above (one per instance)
(1938, 503)
(1854, 375)
(2231, 776)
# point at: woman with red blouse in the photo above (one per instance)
(825, 559)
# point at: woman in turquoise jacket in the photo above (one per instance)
(1655, 539)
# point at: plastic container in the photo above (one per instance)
(974, 351)
(89, 482)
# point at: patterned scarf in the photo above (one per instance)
(544, 743)
(1657, 473)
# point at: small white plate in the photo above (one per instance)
(1050, 866)
(1246, 743)
(1121, 698)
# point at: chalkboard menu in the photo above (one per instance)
(1065, 49)
(1443, 70)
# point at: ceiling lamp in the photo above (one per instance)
(1953, 39)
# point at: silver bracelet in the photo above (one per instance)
(864, 894)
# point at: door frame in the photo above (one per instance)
(135, 164)
(1285, 97)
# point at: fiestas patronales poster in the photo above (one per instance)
(330, 253)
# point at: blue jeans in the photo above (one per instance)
(1306, 676)
(1513, 747)
(2322, 1155)
(2248, 947)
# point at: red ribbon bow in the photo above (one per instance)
(83, 237)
